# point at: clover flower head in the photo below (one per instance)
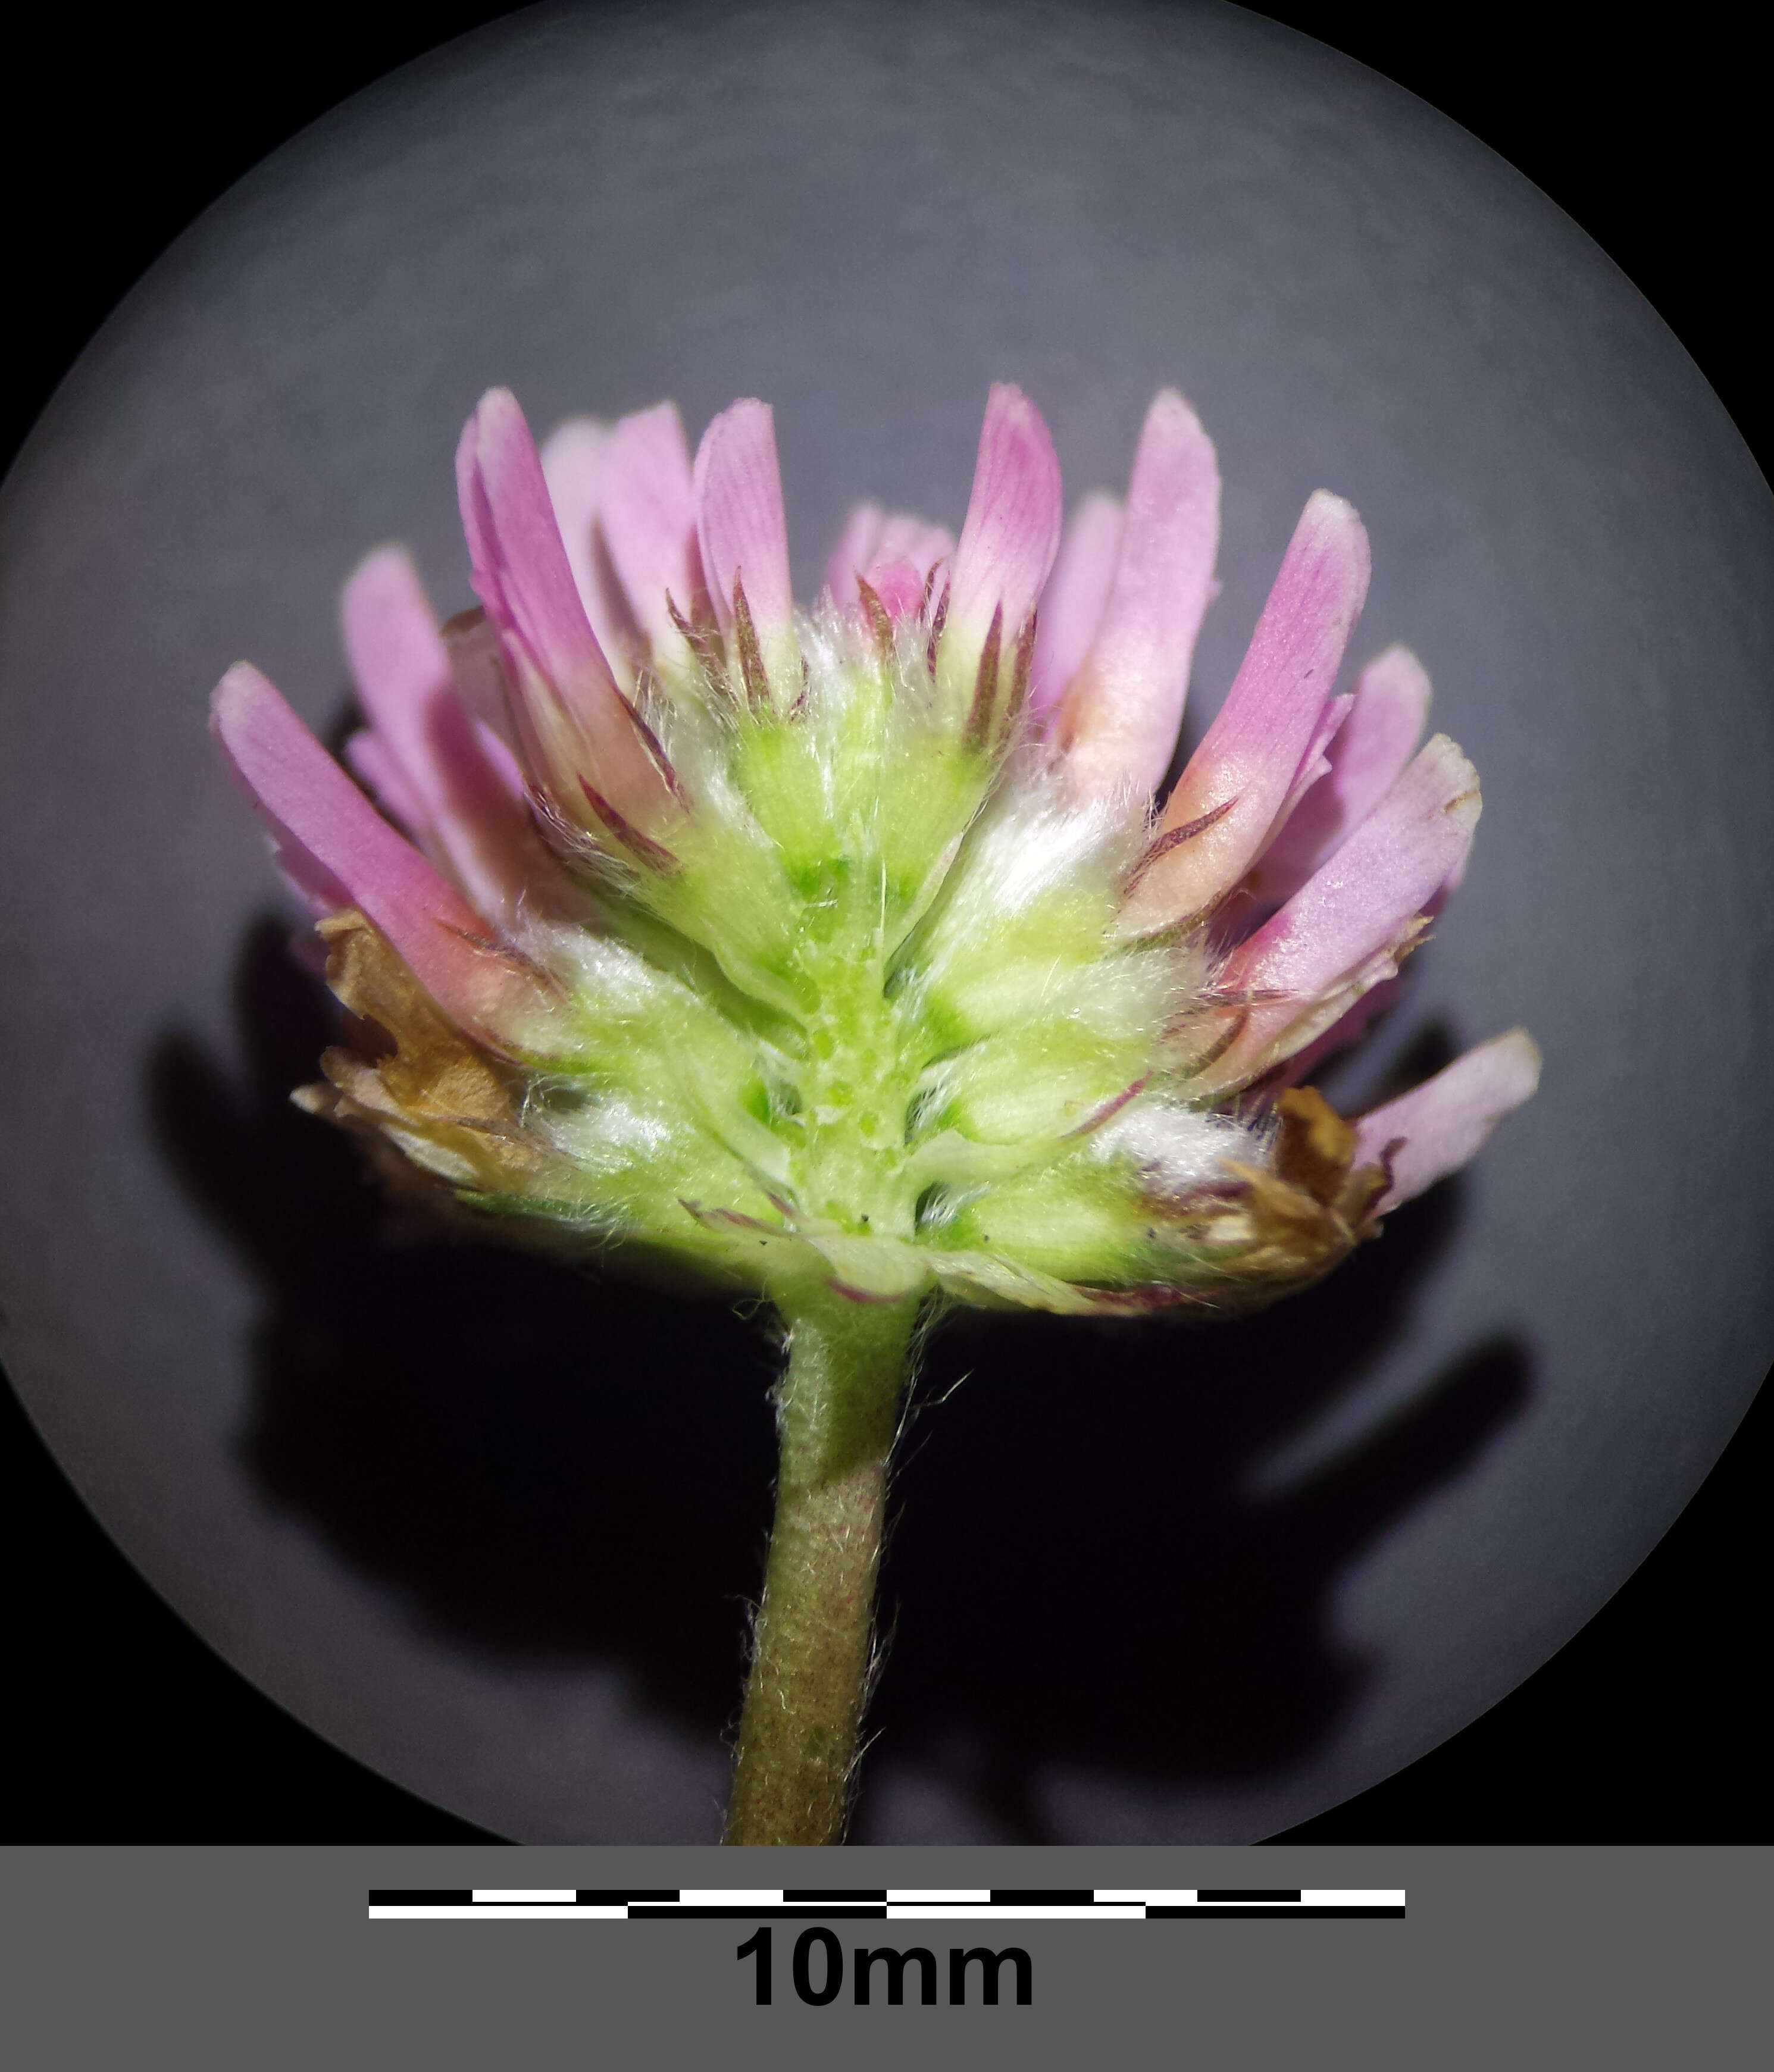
(848, 949)
(848, 954)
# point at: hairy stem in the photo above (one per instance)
(837, 1410)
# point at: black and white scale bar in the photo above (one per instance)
(836, 1903)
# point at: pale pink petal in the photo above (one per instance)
(519, 563)
(898, 584)
(344, 853)
(854, 551)
(744, 536)
(1353, 1025)
(907, 537)
(466, 815)
(1077, 591)
(1314, 766)
(1443, 1122)
(1385, 726)
(503, 760)
(1008, 540)
(646, 518)
(1350, 1027)
(1451, 883)
(1248, 761)
(872, 541)
(396, 651)
(375, 765)
(578, 727)
(1117, 726)
(477, 666)
(574, 457)
(484, 824)
(1343, 931)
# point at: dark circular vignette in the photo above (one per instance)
(1649, 1725)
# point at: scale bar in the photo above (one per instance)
(825, 1913)
(853, 1903)
(1262, 1912)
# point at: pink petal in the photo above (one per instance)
(1350, 1027)
(853, 553)
(870, 540)
(395, 652)
(1385, 726)
(466, 812)
(576, 723)
(574, 457)
(374, 765)
(344, 853)
(1073, 602)
(1342, 931)
(744, 536)
(502, 760)
(905, 537)
(1010, 537)
(1451, 883)
(520, 567)
(1118, 725)
(1314, 764)
(647, 518)
(477, 664)
(1443, 1122)
(1248, 761)
(898, 584)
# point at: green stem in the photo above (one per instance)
(836, 1412)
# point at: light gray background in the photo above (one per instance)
(1534, 1958)
(488, 1529)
